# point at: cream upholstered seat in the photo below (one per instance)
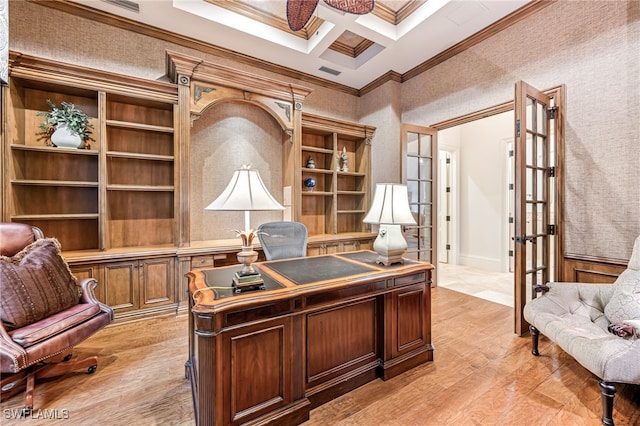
(577, 317)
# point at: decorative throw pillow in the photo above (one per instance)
(35, 283)
(636, 326)
(624, 304)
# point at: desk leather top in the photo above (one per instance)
(215, 284)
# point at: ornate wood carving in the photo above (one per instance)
(211, 83)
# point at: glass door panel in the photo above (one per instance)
(418, 166)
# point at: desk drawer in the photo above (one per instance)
(345, 293)
(202, 262)
(419, 277)
(225, 259)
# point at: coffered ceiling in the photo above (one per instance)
(398, 39)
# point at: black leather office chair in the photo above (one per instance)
(283, 240)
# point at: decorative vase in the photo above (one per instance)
(63, 137)
(309, 184)
(246, 257)
(311, 164)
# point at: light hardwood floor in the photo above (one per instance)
(482, 375)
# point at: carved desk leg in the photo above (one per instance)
(534, 340)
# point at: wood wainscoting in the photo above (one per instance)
(592, 270)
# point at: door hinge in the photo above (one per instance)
(448, 218)
(552, 171)
(510, 219)
(510, 187)
(448, 189)
(510, 253)
(517, 128)
(552, 112)
(551, 230)
(511, 153)
(448, 246)
(448, 161)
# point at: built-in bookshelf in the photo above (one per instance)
(339, 200)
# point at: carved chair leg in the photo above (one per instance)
(608, 391)
(534, 340)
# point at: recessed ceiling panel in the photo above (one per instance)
(351, 44)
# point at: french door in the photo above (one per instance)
(419, 160)
(535, 195)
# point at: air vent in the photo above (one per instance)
(125, 4)
(329, 70)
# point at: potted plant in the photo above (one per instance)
(67, 126)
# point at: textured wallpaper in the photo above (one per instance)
(36, 30)
(593, 48)
(222, 140)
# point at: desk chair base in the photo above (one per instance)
(54, 367)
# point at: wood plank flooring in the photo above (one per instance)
(482, 375)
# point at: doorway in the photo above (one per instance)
(475, 208)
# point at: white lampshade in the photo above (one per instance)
(390, 205)
(245, 191)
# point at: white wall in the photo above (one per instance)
(480, 190)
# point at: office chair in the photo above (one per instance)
(45, 311)
(283, 240)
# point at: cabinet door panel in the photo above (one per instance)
(259, 369)
(409, 329)
(328, 356)
(156, 282)
(121, 285)
(91, 271)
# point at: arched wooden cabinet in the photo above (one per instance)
(129, 210)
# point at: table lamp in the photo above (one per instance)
(390, 209)
(246, 192)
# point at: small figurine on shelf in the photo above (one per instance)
(311, 164)
(343, 161)
(309, 184)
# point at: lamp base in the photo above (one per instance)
(390, 245)
(248, 278)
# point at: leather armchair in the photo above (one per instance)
(33, 350)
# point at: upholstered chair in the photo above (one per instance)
(45, 311)
(597, 324)
(283, 240)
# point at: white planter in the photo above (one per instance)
(63, 137)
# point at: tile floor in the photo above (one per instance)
(493, 286)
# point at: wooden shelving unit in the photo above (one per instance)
(117, 194)
(339, 200)
(120, 208)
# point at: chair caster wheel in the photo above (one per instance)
(92, 369)
(25, 412)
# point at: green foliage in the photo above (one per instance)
(77, 121)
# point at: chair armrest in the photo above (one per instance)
(12, 355)
(87, 285)
(541, 288)
(88, 295)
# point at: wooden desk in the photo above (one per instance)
(323, 326)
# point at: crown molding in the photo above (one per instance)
(97, 15)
